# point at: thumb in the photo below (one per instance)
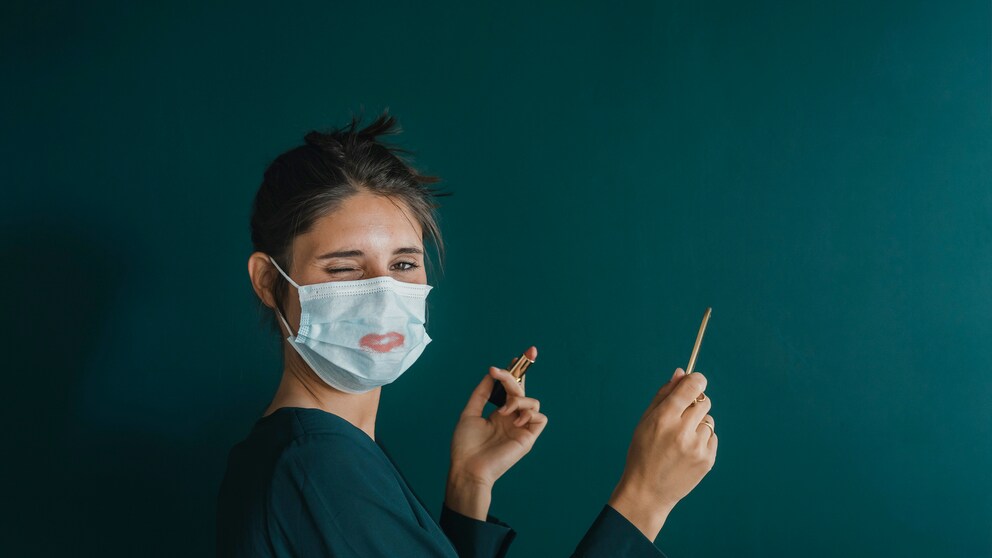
(480, 395)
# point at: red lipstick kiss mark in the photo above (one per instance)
(381, 343)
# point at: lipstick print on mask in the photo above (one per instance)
(381, 343)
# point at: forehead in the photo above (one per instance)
(364, 222)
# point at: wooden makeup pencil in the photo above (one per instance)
(695, 351)
(699, 341)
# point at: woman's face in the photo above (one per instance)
(368, 236)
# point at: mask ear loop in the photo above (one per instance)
(279, 312)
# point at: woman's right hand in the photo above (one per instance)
(670, 453)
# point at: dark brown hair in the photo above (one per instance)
(307, 182)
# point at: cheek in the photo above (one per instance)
(291, 306)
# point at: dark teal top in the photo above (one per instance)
(309, 483)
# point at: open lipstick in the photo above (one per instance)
(517, 369)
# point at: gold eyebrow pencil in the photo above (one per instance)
(695, 352)
(699, 341)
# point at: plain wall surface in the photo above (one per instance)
(820, 173)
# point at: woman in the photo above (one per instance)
(339, 227)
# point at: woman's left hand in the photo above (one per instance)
(483, 448)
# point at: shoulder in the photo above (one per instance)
(326, 452)
(315, 437)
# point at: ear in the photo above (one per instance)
(262, 274)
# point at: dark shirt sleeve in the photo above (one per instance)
(610, 536)
(613, 535)
(473, 538)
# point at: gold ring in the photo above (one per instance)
(710, 426)
(699, 399)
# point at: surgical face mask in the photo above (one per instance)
(359, 335)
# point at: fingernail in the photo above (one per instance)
(502, 410)
(681, 372)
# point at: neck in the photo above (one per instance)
(300, 387)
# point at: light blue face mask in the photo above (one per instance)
(359, 335)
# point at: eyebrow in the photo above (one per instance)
(357, 253)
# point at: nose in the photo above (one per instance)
(376, 270)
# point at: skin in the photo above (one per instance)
(671, 450)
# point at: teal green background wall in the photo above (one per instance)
(820, 173)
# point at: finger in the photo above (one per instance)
(524, 418)
(693, 415)
(685, 393)
(706, 431)
(666, 389)
(698, 399)
(509, 382)
(537, 424)
(701, 400)
(519, 403)
(480, 395)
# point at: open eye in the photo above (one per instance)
(406, 266)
